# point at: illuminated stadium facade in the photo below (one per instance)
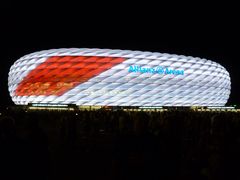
(104, 77)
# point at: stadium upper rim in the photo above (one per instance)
(113, 53)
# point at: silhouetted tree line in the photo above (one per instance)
(119, 145)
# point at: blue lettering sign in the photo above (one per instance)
(157, 70)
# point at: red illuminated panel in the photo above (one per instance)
(59, 74)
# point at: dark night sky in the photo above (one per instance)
(214, 37)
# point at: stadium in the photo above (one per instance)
(117, 114)
(104, 77)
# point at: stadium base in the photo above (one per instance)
(73, 107)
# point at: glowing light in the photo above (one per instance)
(101, 77)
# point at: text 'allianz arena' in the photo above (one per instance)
(105, 77)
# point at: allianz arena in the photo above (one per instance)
(104, 77)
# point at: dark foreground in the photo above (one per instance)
(119, 145)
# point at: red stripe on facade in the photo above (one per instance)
(59, 74)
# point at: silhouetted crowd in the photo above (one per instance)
(105, 144)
